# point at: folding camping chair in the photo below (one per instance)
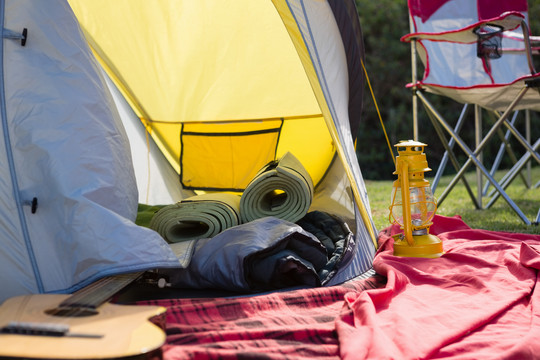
(477, 53)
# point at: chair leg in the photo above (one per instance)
(531, 152)
(515, 160)
(512, 173)
(433, 116)
(511, 154)
(528, 137)
(480, 155)
(522, 141)
(505, 145)
(472, 156)
(444, 160)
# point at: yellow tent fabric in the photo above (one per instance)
(224, 87)
(218, 84)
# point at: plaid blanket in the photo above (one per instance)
(478, 301)
(296, 324)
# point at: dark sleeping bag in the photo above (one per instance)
(266, 254)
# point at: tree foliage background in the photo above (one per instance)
(388, 63)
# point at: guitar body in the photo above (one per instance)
(115, 331)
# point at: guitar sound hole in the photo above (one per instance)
(71, 312)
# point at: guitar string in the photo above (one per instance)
(96, 294)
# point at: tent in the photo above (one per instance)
(217, 89)
(231, 85)
(68, 191)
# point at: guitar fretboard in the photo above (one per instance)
(99, 292)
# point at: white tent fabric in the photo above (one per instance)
(64, 151)
(157, 181)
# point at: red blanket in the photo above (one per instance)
(478, 301)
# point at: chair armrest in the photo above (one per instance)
(528, 48)
(508, 21)
(518, 36)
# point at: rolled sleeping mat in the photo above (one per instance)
(197, 217)
(282, 188)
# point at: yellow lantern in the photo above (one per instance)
(413, 204)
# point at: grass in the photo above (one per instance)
(499, 217)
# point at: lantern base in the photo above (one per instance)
(425, 246)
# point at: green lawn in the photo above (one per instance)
(499, 217)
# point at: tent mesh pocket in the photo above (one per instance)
(489, 44)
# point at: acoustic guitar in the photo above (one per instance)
(81, 326)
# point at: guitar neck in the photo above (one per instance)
(99, 292)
